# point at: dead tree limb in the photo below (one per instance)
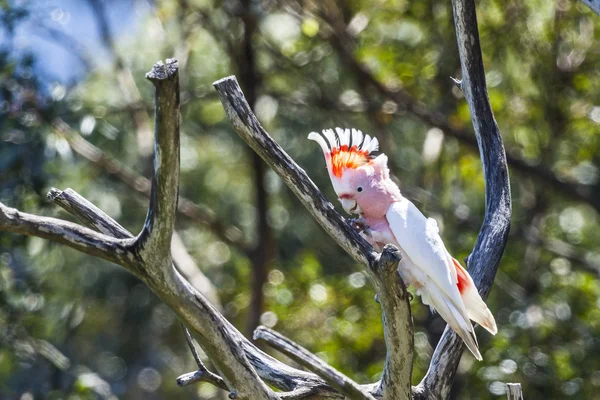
(485, 258)
(148, 255)
(186, 208)
(249, 129)
(513, 391)
(313, 363)
(96, 219)
(202, 374)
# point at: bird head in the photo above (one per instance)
(357, 175)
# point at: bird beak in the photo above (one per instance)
(350, 206)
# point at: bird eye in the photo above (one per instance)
(359, 189)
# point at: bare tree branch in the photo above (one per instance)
(198, 213)
(247, 126)
(90, 215)
(250, 130)
(96, 219)
(305, 358)
(485, 258)
(72, 235)
(155, 238)
(513, 391)
(202, 374)
(397, 325)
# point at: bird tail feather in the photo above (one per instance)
(457, 320)
(477, 310)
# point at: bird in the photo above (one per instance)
(362, 183)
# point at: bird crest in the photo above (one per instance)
(347, 149)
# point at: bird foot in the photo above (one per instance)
(361, 225)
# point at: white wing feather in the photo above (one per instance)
(419, 238)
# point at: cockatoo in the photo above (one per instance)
(363, 186)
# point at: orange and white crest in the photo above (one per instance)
(344, 149)
(348, 148)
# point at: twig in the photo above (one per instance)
(485, 258)
(202, 374)
(90, 215)
(305, 358)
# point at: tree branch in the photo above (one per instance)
(72, 235)
(90, 215)
(513, 391)
(198, 213)
(96, 219)
(305, 358)
(247, 126)
(397, 325)
(396, 314)
(485, 258)
(202, 374)
(155, 238)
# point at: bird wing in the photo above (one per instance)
(419, 238)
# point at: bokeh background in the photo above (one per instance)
(76, 111)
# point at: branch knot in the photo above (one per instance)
(388, 260)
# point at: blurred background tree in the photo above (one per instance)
(72, 77)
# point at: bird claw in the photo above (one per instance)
(361, 225)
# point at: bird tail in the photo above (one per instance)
(476, 308)
(456, 318)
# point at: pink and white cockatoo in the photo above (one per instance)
(363, 186)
